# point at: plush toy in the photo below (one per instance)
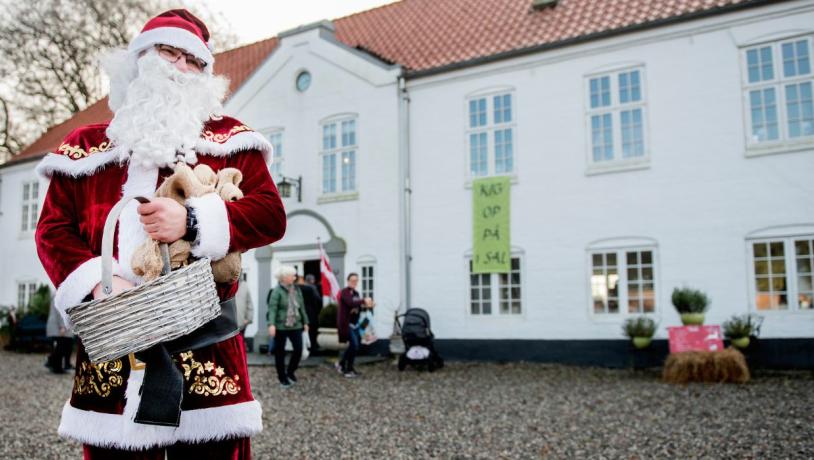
(187, 183)
(228, 269)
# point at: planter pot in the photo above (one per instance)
(692, 319)
(642, 342)
(328, 339)
(741, 342)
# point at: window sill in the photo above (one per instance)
(512, 179)
(337, 197)
(758, 150)
(617, 166)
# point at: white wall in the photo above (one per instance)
(18, 254)
(698, 199)
(343, 82)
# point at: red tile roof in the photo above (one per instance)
(427, 35)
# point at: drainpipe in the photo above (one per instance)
(405, 250)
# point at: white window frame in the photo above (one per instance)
(30, 207)
(621, 246)
(784, 143)
(367, 281)
(29, 288)
(615, 109)
(490, 128)
(792, 288)
(276, 168)
(494, 283)
(338, 151)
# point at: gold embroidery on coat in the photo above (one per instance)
(212, 385)
(98, 378)
(221, 138)
(76, 152)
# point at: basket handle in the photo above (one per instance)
(107, 244)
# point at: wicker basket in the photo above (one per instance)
(170, 306)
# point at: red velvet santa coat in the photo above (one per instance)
(87, 178)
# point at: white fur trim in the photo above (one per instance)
(247, 140)
(140, 181)
(58, 163)
(196, 426)
(79, 284)
(173, 36)
(213, 226)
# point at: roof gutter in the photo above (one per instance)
(585, 38)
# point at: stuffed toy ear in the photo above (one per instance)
(205, 175)
(229, 176)
(228, 181)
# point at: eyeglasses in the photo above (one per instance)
(173, 54)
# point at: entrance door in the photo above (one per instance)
(311, 267)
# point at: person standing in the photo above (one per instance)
(60, 358)
(167, 108)
(245, 306)
(313, 305)
(350, 306)
(287, 318)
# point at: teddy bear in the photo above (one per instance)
(185, 183)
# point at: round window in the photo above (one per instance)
(303, 81)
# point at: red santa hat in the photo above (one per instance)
(178, 28)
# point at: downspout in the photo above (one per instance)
(405, 250)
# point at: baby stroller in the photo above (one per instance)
(418, 340)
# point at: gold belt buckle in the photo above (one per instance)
(135, 364)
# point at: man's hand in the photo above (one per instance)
(306, 328)
(119, 285)
(272, 331)
(164, 219)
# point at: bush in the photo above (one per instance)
(688, 300)
(327, 317)
(738, 326)
(40, 303)
(640, 326)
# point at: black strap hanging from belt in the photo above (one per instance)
(163, 387)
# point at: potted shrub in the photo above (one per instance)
(640, 329)
(739, 328)
(328, 337)
(690, 304)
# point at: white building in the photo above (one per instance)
(647, 150)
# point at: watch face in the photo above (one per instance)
(303, 81)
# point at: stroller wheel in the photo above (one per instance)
(402, 362)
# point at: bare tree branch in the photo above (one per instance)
(49, 54)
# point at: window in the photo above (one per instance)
(276, 139)
(367, 281)
(501, 290)
(623, 282)
(339, 146)
(30, 205)
(778, 92)
(616, 106)
(490, 135)
(25, 290)
(782, 273)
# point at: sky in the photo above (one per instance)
(254, 20)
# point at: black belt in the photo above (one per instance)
(163, 387)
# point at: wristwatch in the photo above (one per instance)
(191, 234)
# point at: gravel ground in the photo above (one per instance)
(471, 410)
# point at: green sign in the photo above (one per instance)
(490, 203)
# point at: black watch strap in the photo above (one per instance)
(192, 225)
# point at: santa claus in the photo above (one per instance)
(166, 105)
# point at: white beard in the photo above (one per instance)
(163, 113)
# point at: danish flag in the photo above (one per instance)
(329, 284)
